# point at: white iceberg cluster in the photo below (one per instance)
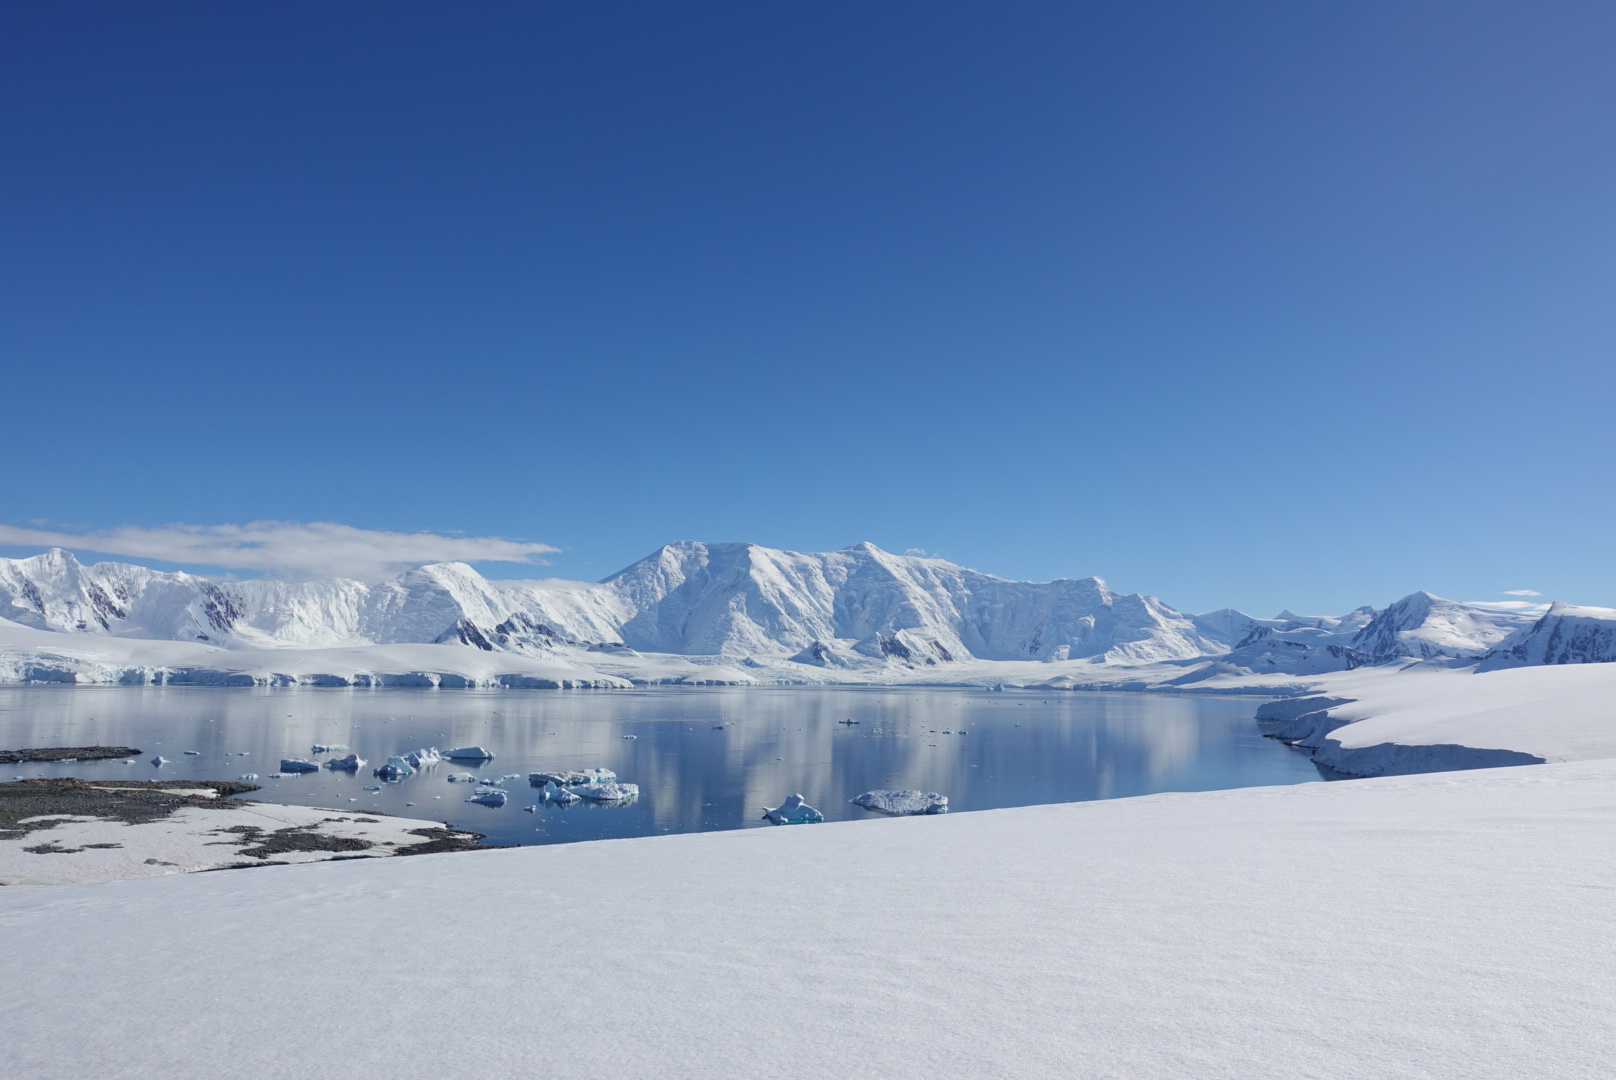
(903, 802)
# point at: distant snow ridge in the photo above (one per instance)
(831, 609)
(1566, 634)
(859, 609)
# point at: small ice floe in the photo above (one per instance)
(462, 778)
(248, 776)
(558, 795)
(327, 748)
(903, 802)
(469, 753)
(531, 809)
(159, 760)
(491, 797)
(793, 812)
(609, 792)
(298, 765)
(397, 768)
(70, 761)
(351, 763)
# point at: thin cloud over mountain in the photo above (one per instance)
(292, 549)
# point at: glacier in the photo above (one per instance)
(694, 613)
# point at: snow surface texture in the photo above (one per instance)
(705, 614)
(1384, 721)
(89, 849)
(1410, 927)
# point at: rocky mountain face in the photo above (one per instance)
(1566, 634)
(846, 608)
(836, 608)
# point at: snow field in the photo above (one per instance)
(1449, 925)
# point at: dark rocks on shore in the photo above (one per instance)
(65, 753)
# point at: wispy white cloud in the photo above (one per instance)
(1522, 592)
(294, 549)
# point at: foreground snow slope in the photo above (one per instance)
(1438, 926)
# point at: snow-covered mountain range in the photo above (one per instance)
(858, 609)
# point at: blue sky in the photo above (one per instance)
(1251, 304)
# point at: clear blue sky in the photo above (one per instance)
(1252, 304)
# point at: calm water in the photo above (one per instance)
(703, 758)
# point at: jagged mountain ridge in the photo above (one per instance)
(847, 608)
(1566, 634)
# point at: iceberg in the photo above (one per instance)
(551, 793)
(298, 765)
(903, 802)
(609, 792)
(793, 812)
(159, 760)
(571, 777)
(419, 759)
(469, 753)
(397, 768)
(351, 763)
(491, 797)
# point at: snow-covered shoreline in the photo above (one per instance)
(1392, 721)
(1426, 926)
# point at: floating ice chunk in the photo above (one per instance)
(421, 758)
(397, 768)
(903, 802)
(609, 792)
(326, 748)
(531, 809)
(462, 778)
(559, 795)
(159, 760)
(469, 753)
(298, 765)
(793, 812)
(248, 776)
(572, 777)
(491, 797)
(351, 763)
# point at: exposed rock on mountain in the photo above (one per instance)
(1566, 634)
